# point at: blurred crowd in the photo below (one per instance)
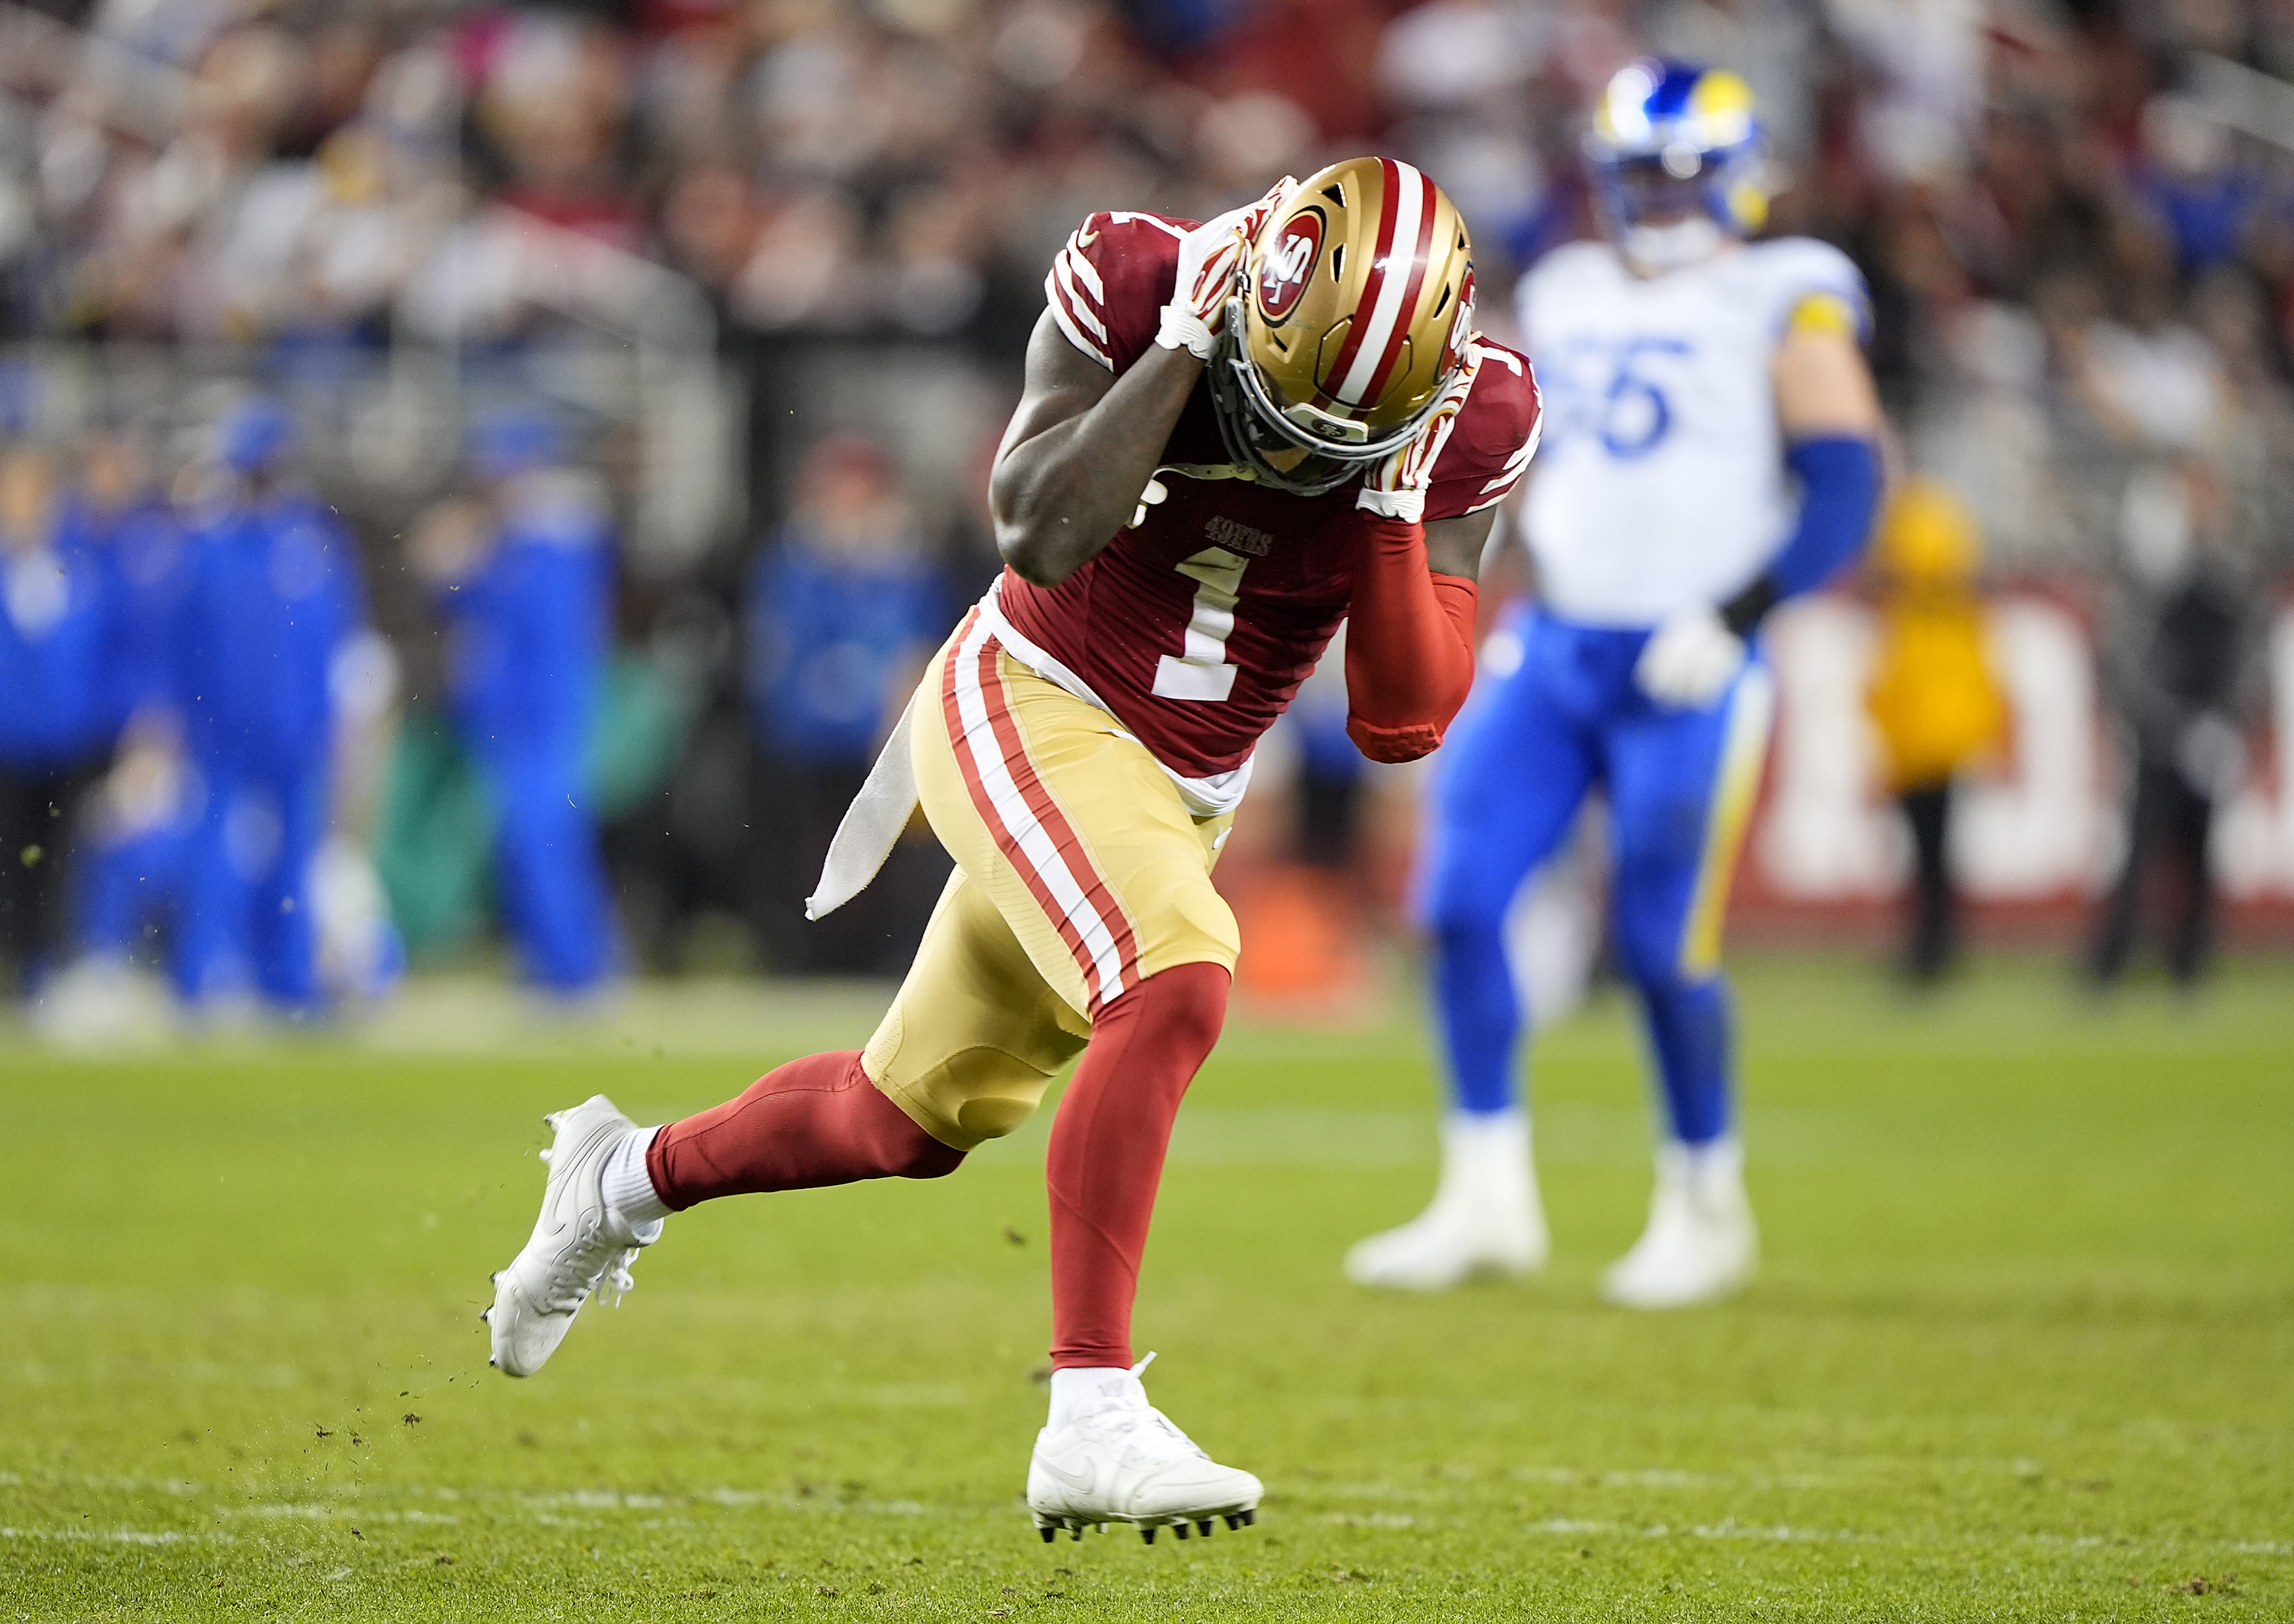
(205, 764)
(2078, 218)
(572, 692)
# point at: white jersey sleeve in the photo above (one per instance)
(1661, 482)
(1795, 269)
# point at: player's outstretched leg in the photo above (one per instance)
(1106, 1455)
(813, 1122)
(579, 1243)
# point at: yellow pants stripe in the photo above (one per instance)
(1751, 709)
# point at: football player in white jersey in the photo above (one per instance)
(1711, 448)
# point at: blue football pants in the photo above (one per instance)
(1519, 761)
(549, 867)
(244, 917)
(125, 889)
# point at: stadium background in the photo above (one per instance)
(757, 258)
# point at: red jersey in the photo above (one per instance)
(1196, 628)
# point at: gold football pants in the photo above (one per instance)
(1079, 874)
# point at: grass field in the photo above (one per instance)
(2024, 1347)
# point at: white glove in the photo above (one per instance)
(1150, 497)
(1395, 488)
(1211, 258)
(1689, 660)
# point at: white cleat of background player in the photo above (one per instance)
(579, 1242)
(1701, 1243)
(1485, 1217)
(1107, 1456)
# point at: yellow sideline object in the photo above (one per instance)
(1934, 695)
(1003, 988)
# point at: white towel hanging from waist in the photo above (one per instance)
(872, 823)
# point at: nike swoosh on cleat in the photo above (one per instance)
(1073, 1484)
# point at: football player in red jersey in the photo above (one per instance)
(1235, 434)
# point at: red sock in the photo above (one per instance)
(812, 1122)
(1107, 1148)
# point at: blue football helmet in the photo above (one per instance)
(1678, 160)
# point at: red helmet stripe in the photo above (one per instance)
(1389, 202)
(1400, 328)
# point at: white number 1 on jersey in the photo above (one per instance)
(1202, 672)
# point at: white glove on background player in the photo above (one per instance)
(1395, 487)
(1689, 658)
(1210, 258)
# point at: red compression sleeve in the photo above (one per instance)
(812, 1122)
(1410, 644)
(1106, 1154)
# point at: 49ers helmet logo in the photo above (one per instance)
(1289, 261)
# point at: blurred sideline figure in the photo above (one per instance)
(844, 607)
(135, 862)
(271, 601)
(2174, 658)
(1694, 380)
(60, 649)
(522, 570)
(1934, 697)
(266, 892)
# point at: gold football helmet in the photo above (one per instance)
(1351, 312)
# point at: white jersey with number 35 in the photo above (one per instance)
(1661, 483)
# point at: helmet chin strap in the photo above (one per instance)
(1657, 248)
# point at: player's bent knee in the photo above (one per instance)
(968, 1098)
(930, 1160)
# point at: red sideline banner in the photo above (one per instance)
(2036, 834)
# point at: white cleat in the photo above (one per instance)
(579, 1243)
(1701, 1244)
(1121, 1460)
(1485, 1217)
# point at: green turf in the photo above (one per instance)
(2024, 1347)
